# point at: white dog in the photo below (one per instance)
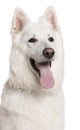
(32, 97)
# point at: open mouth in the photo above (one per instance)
(43, 70)
(35, 65)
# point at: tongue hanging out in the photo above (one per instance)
(46, 77)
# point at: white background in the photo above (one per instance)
(68, 12)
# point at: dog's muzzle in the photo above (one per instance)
(43, 68)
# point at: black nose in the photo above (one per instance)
(48, 53)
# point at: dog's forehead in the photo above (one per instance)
(39, 28)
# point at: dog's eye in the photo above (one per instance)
(51, 39)
(32, 40)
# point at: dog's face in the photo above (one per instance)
(39, 45)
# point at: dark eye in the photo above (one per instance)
(32, 40)
(51, 39)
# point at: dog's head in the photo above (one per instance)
(37, 52)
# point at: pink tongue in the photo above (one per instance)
(46, 77)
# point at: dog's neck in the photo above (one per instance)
(18, 100)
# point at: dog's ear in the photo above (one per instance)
(50, 16)
(19, 21)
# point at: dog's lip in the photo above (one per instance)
(32, 62)
(35, 65)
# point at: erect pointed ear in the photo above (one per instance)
(50, 16)
(19, 21)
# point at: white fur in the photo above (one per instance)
(25, 104)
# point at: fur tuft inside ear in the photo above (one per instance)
(19, 21)
(50, 16)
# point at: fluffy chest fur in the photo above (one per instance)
(36, 112)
